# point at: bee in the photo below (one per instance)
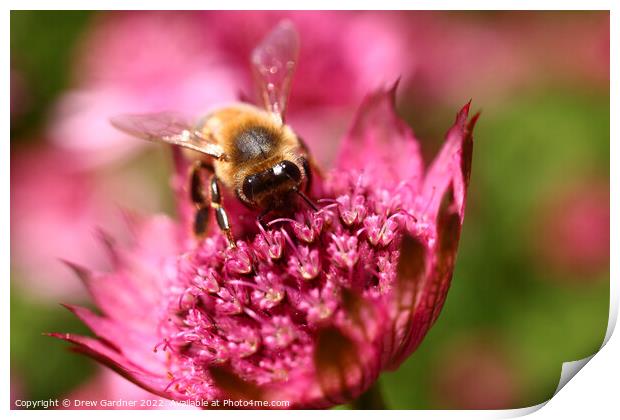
(241, 147)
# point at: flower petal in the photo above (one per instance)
(117, 362)
(133, 291)
(133, 344)
(432, 293)
(232, 386)
(411, 272)
(448, 235)
(347, 354)
(118, 297)
(381, 144)
(442, 204)
(452, 165)
(339, 367)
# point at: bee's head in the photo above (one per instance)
(277, 181)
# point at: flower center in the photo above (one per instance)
(256, 309)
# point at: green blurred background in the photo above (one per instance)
(514, 313)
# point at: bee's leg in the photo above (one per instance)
(200, 198)
(220, 213)
(201, 221)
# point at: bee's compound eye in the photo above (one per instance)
(284, 176)
(250, 186)
(287, 169)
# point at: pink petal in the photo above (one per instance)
(452, 164)
(117, 362)
(380, 144)
(412, 270)
(339, 369)
(347, 355)
(443, 205)
(133, 344)
(431, 294)
(119, 297)
(133, 291)
(108, 385)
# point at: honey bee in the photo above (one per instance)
(246, 149)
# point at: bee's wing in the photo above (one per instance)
(167, 127)
(273, 62)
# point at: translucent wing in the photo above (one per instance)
(167, 127)
(274, 61)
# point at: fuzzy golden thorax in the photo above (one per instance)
(253, 141)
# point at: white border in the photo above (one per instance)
(592, 393)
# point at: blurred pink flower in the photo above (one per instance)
(56, 210)
(572, 229)
(191, 61)
(497, 54)
(138, 62)
(338, 64)
(475, 373)
(352, 53)
(309, 310)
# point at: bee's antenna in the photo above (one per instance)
(307, 200)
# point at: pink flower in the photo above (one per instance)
(476, 373)
(191, 61)
(56, 211)
(499, 54)
(572, 228)
(309, 310)
(138, 61)
(337, 64)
